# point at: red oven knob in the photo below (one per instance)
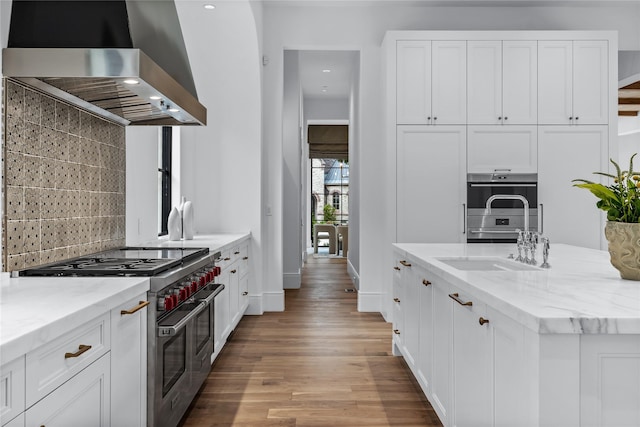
(202, 280)
(168, 302)
(218, 271)
(175, 297)
(194, 286)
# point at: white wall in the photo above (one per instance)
(326, 109)
(356, 26)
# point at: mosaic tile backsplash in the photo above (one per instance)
(64, 180)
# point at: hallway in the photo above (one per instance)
(319, 363)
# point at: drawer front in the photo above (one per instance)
(244, 260)
(225, 259)
(55, 362)
(12, 383)
(16, 422)
(236, 253)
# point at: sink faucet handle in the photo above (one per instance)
(545, 253)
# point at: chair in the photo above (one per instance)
(324, 231)
(342, 235)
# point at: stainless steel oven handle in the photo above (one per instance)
(503, 185)
(167, 331)
(210, 298)
(493, 231)
(464, 218)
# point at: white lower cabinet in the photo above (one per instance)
(16, 422)
(12, 390)
(81, 401)
(441, 385)
(425, 308)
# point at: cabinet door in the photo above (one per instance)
(441, 387)
(510, 383)
(221, 327)
(12, 389)
(484, 77)
(590, 80)
(568, 214)
(411, 307)
(472, 387)
(16, 422)
(129, 363)
(234, 295)
(502, 148)
(520, 82)
(449, 82)
(398, 293)
(555, 82)
(413, 82)
(81, 401)
(425, 369)
(430, 184)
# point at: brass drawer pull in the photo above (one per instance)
(81, 349)
(245, 258)
(397, 332)
(227, 259)
(457, 299)
(405, 263)
(140, 306)
(396, 299)
(233, 271)
(426, 282)
(236, 252)
(396, 268)
(245, 293)
(482, 321)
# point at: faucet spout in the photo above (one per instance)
(524, 201)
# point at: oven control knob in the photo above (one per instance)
(218, 270)
(168, 302)
(202, 280)
(194, 286)
(162, 303)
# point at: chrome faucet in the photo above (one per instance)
(524, 201)
(545, 253)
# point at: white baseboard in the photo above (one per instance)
(273, 301)
(291, 280)
(369, 301)
(353, 274)
(255, 305)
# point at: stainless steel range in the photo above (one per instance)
(180, 317)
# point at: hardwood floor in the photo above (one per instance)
(319, 363)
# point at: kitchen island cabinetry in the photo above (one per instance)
(431, 82)
(573, 82)
(430, 183)
(565, 213)
(502, 82)
(527, 347)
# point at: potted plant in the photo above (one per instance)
(621, 201)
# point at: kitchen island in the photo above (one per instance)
(496, 342)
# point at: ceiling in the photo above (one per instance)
(331, 84)
(629, 100)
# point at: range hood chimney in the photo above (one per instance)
(123, 60)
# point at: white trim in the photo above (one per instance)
(291, 280)
(328, 122)
(369, 301)
(255, 305)
(353, 274)
(273, 301)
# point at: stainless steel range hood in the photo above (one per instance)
(123, 60)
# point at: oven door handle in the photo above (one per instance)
(213, 294)
(493, 231)
(167, 331)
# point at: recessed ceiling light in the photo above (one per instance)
(155, 97)
(326, 70)
(173, 110)
(131, 81)
(209, 6)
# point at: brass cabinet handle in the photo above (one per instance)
(395, 267)
(397, 332)
(81, 349)
(245, 258)
(233, 271)
(245, 293)
(140, 306)
(482, 321)
(227, 259)
(457, 299)
(396, 299)
(426, 282)
(405, 263)
(236, 252)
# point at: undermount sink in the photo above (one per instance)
(486, 264)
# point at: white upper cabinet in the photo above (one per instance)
(511, 149)
(431, 82)
(572, 82)
(502, 82)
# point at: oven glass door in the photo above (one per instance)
(204, 328)
(479, 192)
(174, 360)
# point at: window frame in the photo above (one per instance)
(165, 171)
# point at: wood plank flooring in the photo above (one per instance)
(318, 363)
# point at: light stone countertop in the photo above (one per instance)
(582, 293)
(213, 241)
(36, 310)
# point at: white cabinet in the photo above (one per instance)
(411, 308)
(512, 149)
(502, 82)
(425, 320)
(431, 82)
(471, 363)
(441, 384)
(16, 422)
(568, 214)
(430, 183)
(397, 295)
(129, 363)
(573, 82)
(12, 389)
(222, 324)
(81, 401)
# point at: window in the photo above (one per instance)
(164, 179)
(336, 201)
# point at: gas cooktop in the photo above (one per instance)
(127, 261)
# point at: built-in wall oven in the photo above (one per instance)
(500, 203)
(180, 318)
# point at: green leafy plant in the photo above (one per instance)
(620, 200)
(329, 214)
